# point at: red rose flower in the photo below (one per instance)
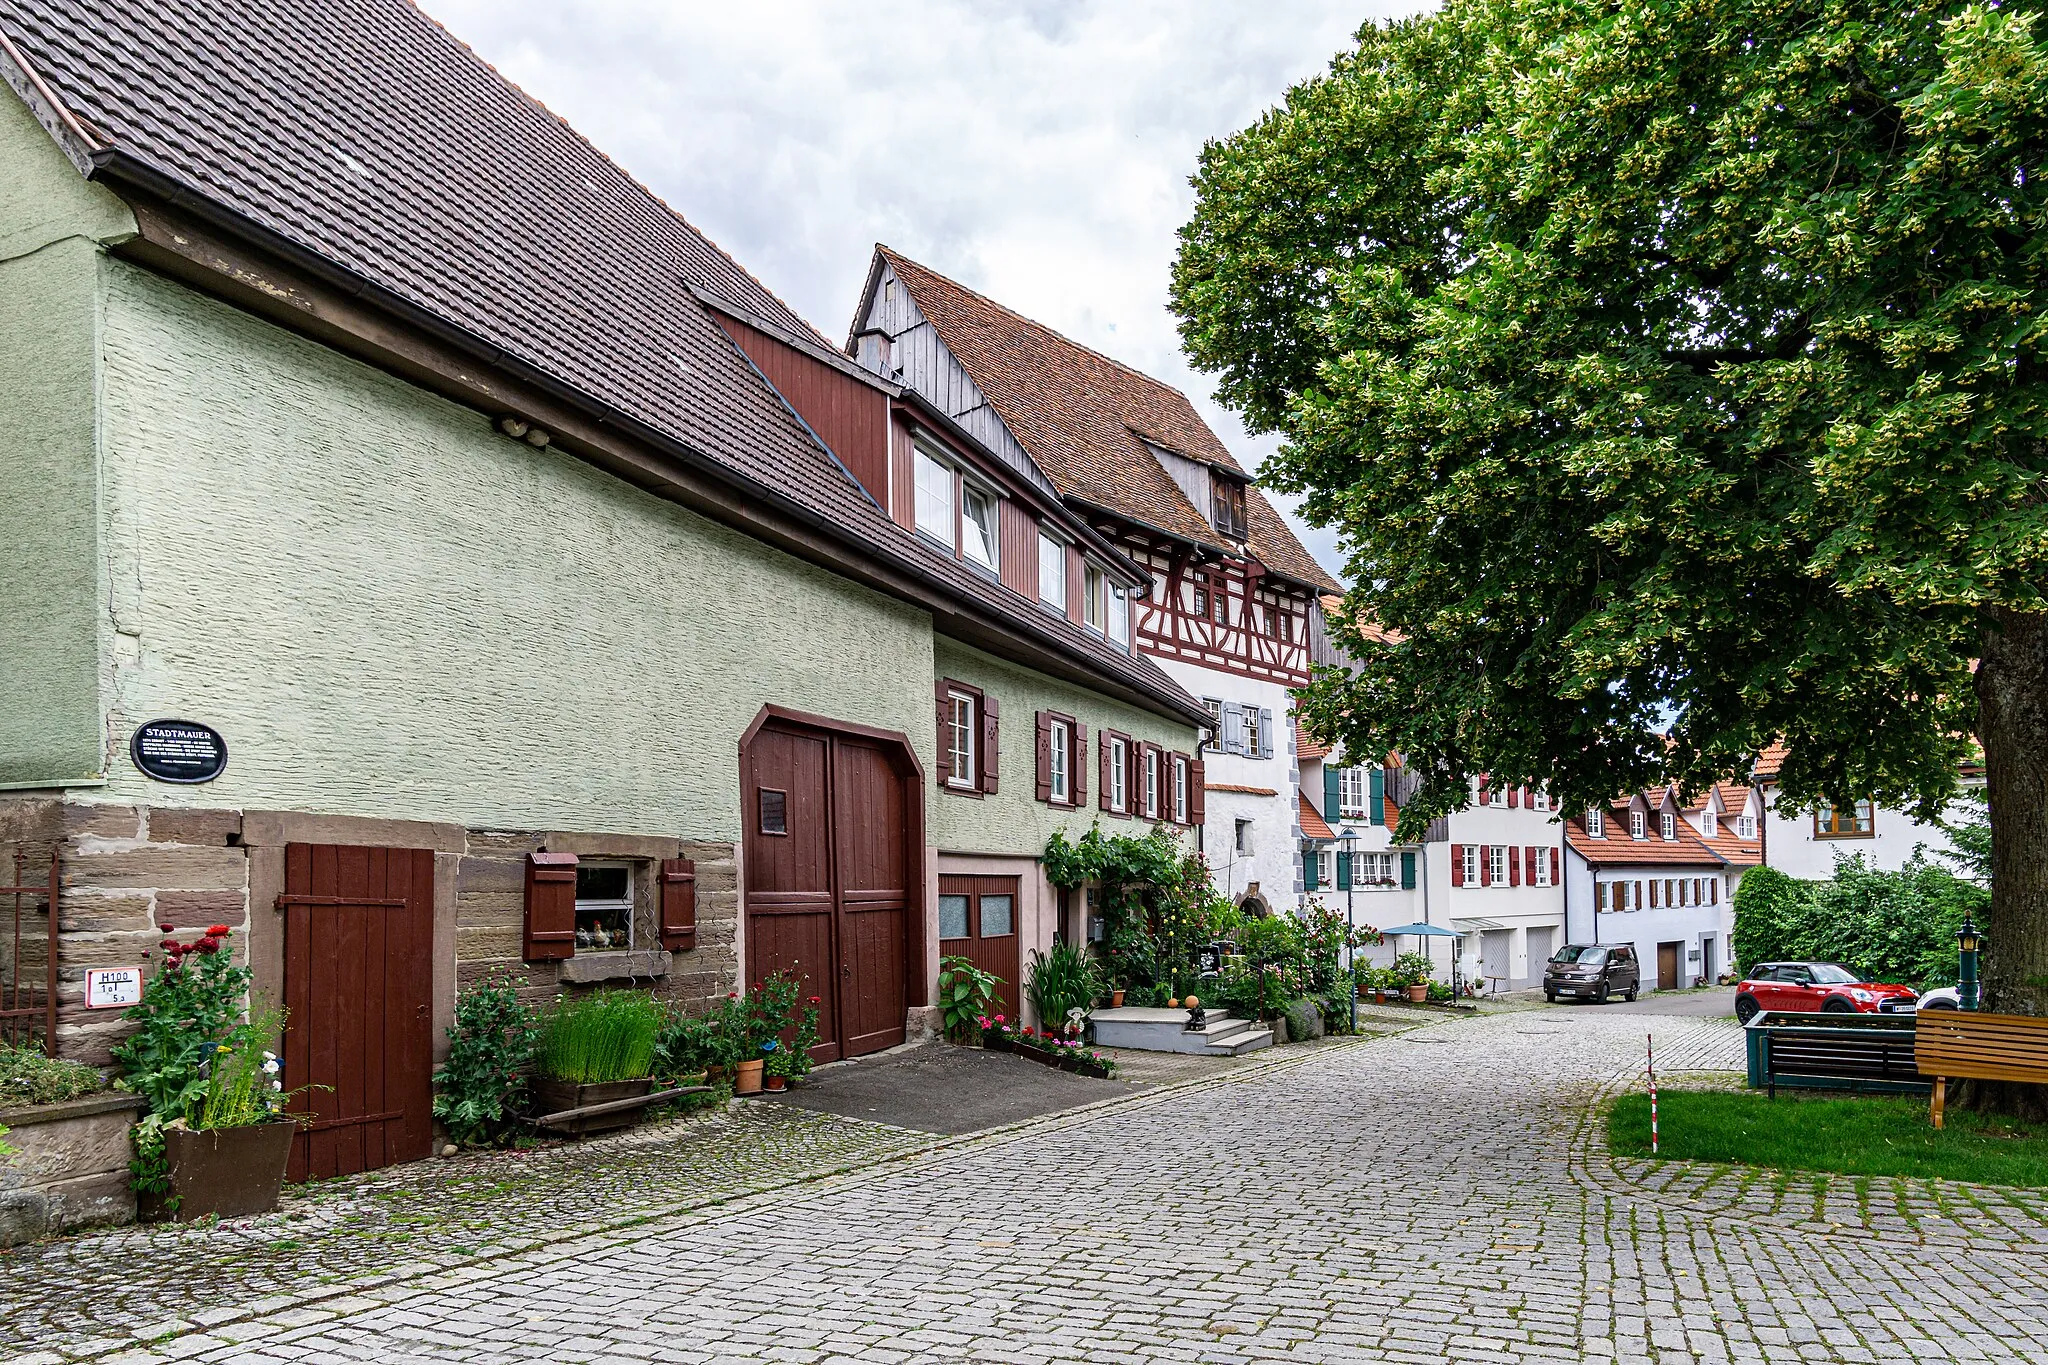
(167, 928)
(218, 930)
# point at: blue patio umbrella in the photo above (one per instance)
(1431, 931)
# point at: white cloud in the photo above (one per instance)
(1038, 152)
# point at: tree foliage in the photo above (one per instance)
(1897, 926)
(1672, 374)
(1651, 356)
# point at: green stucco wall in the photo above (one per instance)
(52, 222)
(390, 610)
(1014, 821)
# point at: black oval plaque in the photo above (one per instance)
(179, 751)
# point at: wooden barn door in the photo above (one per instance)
(830, 879)
(978, 921)
(358, 985)
(1667, 966)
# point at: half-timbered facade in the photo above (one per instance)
(1225, 598)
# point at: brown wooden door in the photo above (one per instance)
(358, 986)
(1667, 966)
(829, 879)
(978, 921)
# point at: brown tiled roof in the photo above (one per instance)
(359, 133)
(1306, 747)
(1617, 849)
(1082, 415)
(1735, 852)
(1313, 825)
(1239, 788)
(1768, 762)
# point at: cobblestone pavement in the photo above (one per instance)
(1439, 1194)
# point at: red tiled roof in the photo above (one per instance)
(1736, 852)
(1085, 419)
(1313, 825)
(1239, 788)
(360, 133)
(1305, 747)
(1617, 849)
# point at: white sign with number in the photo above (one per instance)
(112, 988)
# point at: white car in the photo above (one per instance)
(1940, 998)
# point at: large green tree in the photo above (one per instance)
(1673, 373)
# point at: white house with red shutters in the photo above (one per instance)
(1495, 875)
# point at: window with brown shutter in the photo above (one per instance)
(966, 766)
(1197, 799)
(1041, 745)
(550, 907)
(678, 904)
(1102, 739)
(1078, 767)
(1554, 874)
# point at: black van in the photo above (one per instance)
(1592, 971)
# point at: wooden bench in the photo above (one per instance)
(1967, 1045)
(1832, 1052)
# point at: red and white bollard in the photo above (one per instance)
(1653, 1091)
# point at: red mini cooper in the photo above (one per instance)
(1828, 987)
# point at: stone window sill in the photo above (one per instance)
(616, 966)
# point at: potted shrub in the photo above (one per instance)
(482, 1085)
(214, 1138)
(593, 1049)
(775, 1067)
(995, 1033)
(1059, 981)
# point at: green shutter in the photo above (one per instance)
(1308, 868)
(1331, 797)
(1407, 871)
(1378, 806)
(1343, 871)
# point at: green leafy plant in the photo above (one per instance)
(30, 1076)
(1896, 926)
(1060, 978)
(244, 1081)
(1157, 901)
(600, 1037)
(688, 1044)
(1412, 969)
(482, 1085)
(965, 991)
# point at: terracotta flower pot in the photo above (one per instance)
(774, 1083)
(746, 1077)
(1116, 1000)
(232, 1172)
(1419, 993)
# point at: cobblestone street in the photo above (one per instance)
(1435, 1194)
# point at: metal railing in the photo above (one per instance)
(22, 1005)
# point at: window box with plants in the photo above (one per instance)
(214, 1138)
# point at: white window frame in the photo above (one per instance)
(1180, 790)
(1243, 840)
(1119, 775)
(1542, 868)
(1253, 738)
(1092, 584)
(1060, 749)
(1596, 822)
(963, 737)
(1745, 827)
(1539, 799)
(972, 532)
(1326, 874)
(1353, 793)
(1052, 572)
(1497, 796)
(1151, 784)
(1471, 865)
(1667, 825)
(605, 904)
(1119, 604)
(1709, 825)
(1638, 825)
(936, 496)
(1497, 865)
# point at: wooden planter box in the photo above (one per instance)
(555, 1097)
(73, 1168)
(228, 1172)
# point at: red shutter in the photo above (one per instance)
(1555, 877)
(1077, 765)
(991, 742)
(678, 905)
(1198, 806)
(1457, 864)
(1514, 863)
(550, 907)
(944, 698)
(1043, 747)
(1529, 864)
(1514, 797)
(1484, 791)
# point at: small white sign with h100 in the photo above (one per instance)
(110, 988)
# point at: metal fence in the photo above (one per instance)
(28, 1007)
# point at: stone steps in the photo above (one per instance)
(1144, 1029)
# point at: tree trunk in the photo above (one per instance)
(2012, 726)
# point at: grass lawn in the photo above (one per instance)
(1863, 1135)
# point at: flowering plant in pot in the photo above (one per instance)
(215, 1138)
(995, 1032)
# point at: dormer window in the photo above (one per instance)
(1596, 822)
(978, 527)
(1092, 586)
(1052, 572)
(1638, 824)
(1709, 825)
(934, 498)
(1228, 511)
(1119, 617)
(1745, 827)
(1667, 825)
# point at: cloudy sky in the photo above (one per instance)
(1037, 151)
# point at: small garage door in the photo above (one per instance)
(1495, 945)
(978, 921)
(1542, 943)
(358, 985)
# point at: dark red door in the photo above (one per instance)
(358, 985)
(978, 921)
(829, 878)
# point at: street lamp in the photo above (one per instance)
(1968, 943)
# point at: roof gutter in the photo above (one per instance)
(119, 167)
